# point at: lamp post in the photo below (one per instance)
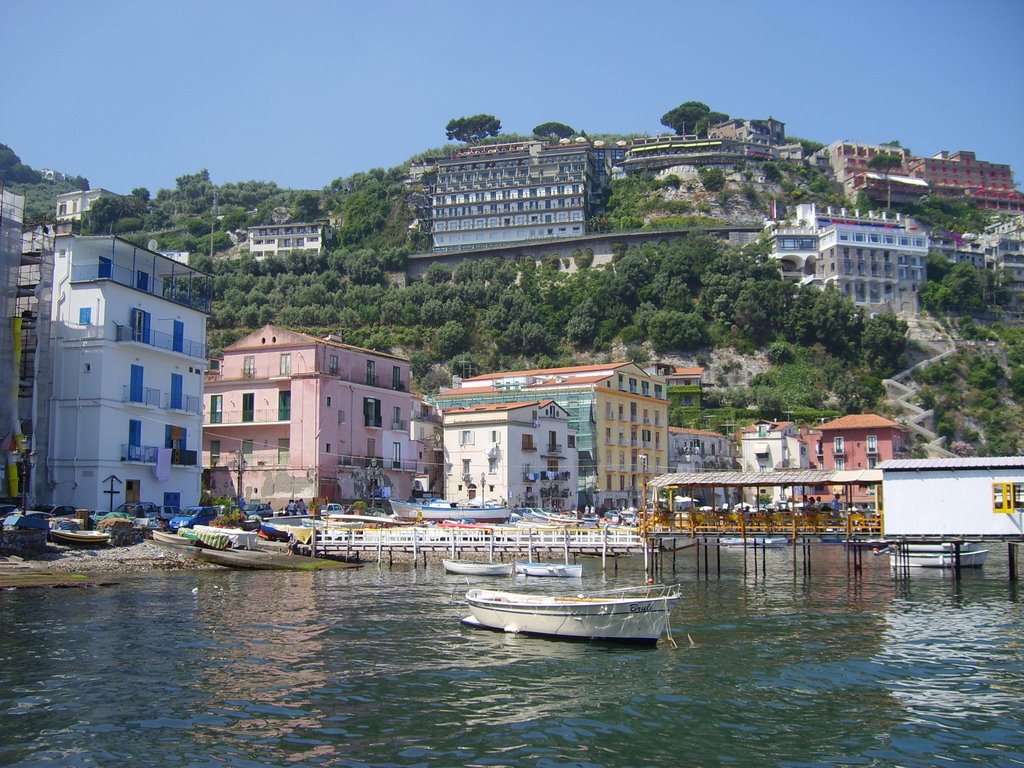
(239, 466)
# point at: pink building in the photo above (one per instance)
(290, 416)
(859, 441)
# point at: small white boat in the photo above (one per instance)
(439, 509)
(560, 570)
(635, 615)
(79, 538)
(753, 541)
(938, 555)
(478, 568)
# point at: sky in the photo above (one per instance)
(301, 92)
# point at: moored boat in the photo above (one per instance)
(634, 615)
(938, 555)
(558, 570)
(261, 560)
(753, 541)
(79, 538)
(478, 568)
(174, 540)
(438, 509)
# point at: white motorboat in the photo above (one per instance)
(559, 570)
(938, 555)
(439, 509)
(636, 614)
(753, 541)
(478, 568)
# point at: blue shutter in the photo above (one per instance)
(135, 393)
(178, 341)
(135, 433)
(176, 387)
(167, 436)
(85, 316)
(104, 270)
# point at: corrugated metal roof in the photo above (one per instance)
(970, 462)
(767, 479)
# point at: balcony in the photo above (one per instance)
(161, 340)
(139, 454)
(254, 416)
(145, 396)
(400, 425)
(182, 458)
(178, 284)
(185, 403)
(552, 449)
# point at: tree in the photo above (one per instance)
(884, 343)
(713, 179)
(473, 130)
(306, 206)
(886, 162)
(553, 131)
(693, 115)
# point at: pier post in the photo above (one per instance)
(415, 548)
(604, 548)
(1011, 551)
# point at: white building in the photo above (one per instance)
(766, 446)
(71, 205)
(280, 239)
(878, 260)
(521, 453)
(968, 497)
(699, 450)
(129, 353)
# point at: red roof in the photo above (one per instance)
(548, 371)
(687, 372)
(859, 421)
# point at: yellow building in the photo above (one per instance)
(619, 412)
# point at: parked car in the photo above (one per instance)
(167, 513)
(261, 508)
(138, 509)
(193, 516)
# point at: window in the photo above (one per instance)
(178, 336)
(135, 389)
(283, 451)
(328, 401)
(396, 417)
(140, 322)
(134, 433)
(872, 443)
(492, 465)
(371, 412)
(248, 406)
(249, 366)
(216, 409)
(527, 443)
(396, 379)
(570, 440)
(176, 386)
(466, 437)
(247, 451)
(465, 467)
(214, 453)
(840, 463)
(327, 448)
(284, 406)
(371, 373)
(837, 445)
(85, 316)
(285, 368)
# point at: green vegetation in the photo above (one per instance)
(692, 117)
(473, 129)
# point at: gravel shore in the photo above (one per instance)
(146, 556)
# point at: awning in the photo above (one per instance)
(761, 449)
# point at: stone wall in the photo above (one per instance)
(22, 541)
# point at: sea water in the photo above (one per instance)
(766, 665)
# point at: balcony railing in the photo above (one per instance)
(352, 460)
(161, 340)
(147, 396)
(185, 287)
(182, 458)
(399, 425)
(187, 403)
(147, 454)
(254, 416)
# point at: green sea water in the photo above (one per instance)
(372, 667)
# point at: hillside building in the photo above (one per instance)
(961, 174)
(700, 450)
(502, 193)
(292, 416)
(878, 260)
(281, 239)
(858, 441)
(71, 205)
(521, 454)
(618, 411)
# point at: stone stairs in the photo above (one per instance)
(903, 394)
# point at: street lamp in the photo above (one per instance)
(239, 465)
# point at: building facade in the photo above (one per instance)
(619, 413)
(849, 160)
(502, 193)
(128, 330)
(700, 450)
(281, 239)
(521, 454)
(71, 205)
(772, 445)
(292, 416)
(878, 260)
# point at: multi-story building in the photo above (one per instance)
(660, 152)
(860, 441)
(501, 193)
(771, 445)
(523, 454)
(71, 205)
(608, 161)
(769, 133)
(126, 364)
(877, 260)
(619, 413)
(281, 239)
(699, 450)
(428, 434)
(295, 416)
(850, 160)
(958, 173)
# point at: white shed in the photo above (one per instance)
(968, 497)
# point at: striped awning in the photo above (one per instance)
(780, 477)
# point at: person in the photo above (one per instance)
(290, 507)
(301, 507)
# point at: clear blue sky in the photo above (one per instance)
(136, 93)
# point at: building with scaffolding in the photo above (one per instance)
(618, 411)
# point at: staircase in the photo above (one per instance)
(903, 393)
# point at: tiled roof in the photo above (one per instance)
(495, 407)
(548, 371)
(773, 426)
(687, 372)
(858, 421)
(688, 431)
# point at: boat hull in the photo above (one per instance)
(173, 540)
(478, 568)
(940, 555)
(80, 538)
(405, 510)
(633, 616)
(258, 560)
(754, 541)
(557, 570)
